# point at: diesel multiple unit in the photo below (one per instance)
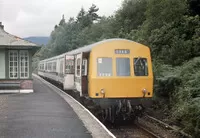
(115, 74)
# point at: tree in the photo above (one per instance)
(56, 26)
(161, 12)
(93, 16)
(131, 15)
(177, 40)
(194, 7)
(62, 21)
(81, 15)
(86, 19)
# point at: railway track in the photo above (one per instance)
(159, 126)
(148, 127)
(150, 133)
(133, 131)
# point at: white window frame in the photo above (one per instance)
(78, 75)
(61, 66)
(13, 71)
(85, 67)
(20, 55)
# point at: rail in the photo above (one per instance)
(170, 127)
(152, 134)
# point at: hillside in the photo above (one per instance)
(40, 40)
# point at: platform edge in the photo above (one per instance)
(35, 75)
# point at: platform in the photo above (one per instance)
(46, 113)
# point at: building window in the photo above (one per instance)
(140, 67)
(18, 64)
(24, 64)
(123, 66)
(13, 64)
(104, 67)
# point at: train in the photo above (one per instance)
(114, 74)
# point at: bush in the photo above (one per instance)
(166, 86)
(176, 42)
(187, 97)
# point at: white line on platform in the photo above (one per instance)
(17, 91)
(77, 103)
(9, 91)
(26, 91)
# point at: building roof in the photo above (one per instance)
(7, 39)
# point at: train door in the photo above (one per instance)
(81, 71)
(78, 78)
(61, 70)
(69, 73)
(84, 73)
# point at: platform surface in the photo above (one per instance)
(42, 114)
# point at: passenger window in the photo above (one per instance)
(61, 67)
(78, 71)
(123, 66)
(104, 67)
(140, 67)
(69, 67)
(54, 66)
(46, 66)
(84, 67)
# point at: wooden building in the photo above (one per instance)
(15, 63)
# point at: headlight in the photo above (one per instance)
(144, 91)
(102, 91)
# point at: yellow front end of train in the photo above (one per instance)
(120, 69)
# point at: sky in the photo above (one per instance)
(25, 18)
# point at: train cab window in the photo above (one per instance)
(123, 66)
(84, 67)
(104, 67)
(140, 67)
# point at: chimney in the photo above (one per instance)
(1, 25)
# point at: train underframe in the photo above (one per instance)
(112, 110)
(115, 110)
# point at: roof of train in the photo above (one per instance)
(89, 47)
(86, 48)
